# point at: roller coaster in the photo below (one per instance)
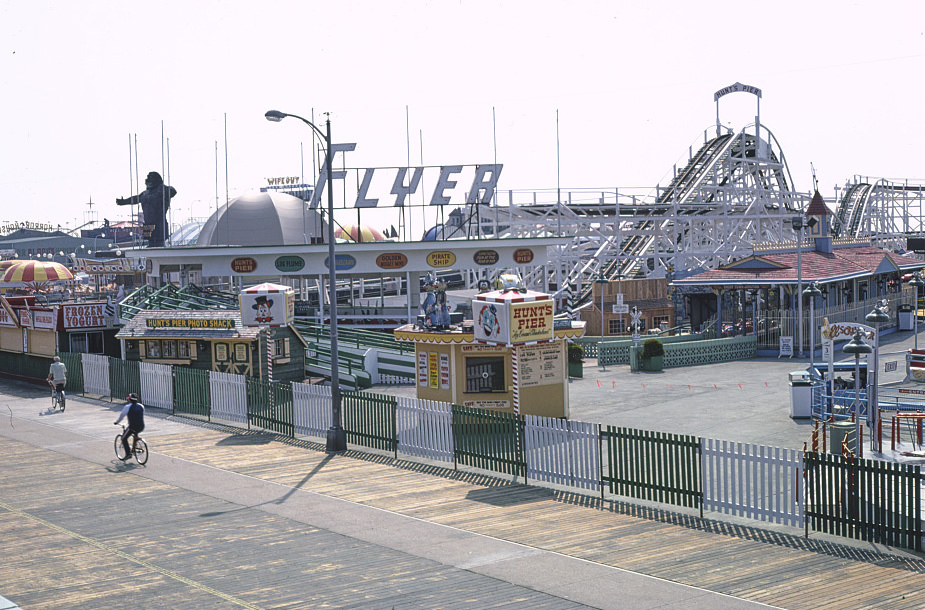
(880, 208)
(733, 191)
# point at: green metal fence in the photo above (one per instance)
(27, 365)
(75, 372)
(124, 378)
(369, 420)
(269, 406)
(191, 391)
(653, 466)
(864, 499)
(849, 497)
(489, 440)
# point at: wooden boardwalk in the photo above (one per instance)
(780, 569)
(71, 536)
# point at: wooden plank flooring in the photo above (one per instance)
(77, 544)
(774, 567)
(74, 535)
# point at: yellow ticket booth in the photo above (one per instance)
(509, 357)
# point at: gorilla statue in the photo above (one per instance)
(155, 201)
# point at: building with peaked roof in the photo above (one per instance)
(759, 293)
(214, 340)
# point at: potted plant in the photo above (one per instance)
(575, 360)
(653, 355)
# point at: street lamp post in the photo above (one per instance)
(916, 282)
(812, 291)
(337, 437)
(857, 346)
(797, 223)
(601, 282)
(876, 317)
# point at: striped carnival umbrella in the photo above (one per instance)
(36, 272)
(4, 265)
(358, 233)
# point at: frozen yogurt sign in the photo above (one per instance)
(87, 315)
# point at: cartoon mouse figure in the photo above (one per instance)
(263, 306)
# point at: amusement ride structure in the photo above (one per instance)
(734, 192)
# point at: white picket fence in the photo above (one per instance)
(753, 481)
(563, 452)
(156, 385)
(311, 409)
(228, 393)
(96, 373)
(425, 428)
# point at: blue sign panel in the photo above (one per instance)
(344, 262)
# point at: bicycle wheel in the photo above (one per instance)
(54, 401)
(120, 450)
(61, 402)
(141, 451)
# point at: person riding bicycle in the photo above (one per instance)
(57, 376)
(136, 421)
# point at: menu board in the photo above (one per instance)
(540, 365)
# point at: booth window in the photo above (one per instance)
(168, 349)
(280, 348)
(87, 343)
(485, 374)
(615, 327)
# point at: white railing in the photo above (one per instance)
(156, 385)
(311, 409)
(96, 374)
(563, 452)
(753, 481)
(425, 428)
(228, 393)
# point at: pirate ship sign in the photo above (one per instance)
(267, 305)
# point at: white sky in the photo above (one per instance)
(633, 84)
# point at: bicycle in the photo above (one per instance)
(139, 448)
(57, 397)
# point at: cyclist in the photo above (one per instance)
(136, 421)
(57, 376)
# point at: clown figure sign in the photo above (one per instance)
(267, 305)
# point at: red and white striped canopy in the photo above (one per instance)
(36, 271)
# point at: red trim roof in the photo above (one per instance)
(822, 267)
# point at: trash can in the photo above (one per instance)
(842, 432)
(906, 317)
(801, 394)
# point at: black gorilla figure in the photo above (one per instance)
(155, 201)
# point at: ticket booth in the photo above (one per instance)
(510, 357)
(27, 329)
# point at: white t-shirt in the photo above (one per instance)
(58, 371)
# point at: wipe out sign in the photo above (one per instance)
(267, 305)
(512, 318)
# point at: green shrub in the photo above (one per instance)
(652, 347)
(575, 353)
